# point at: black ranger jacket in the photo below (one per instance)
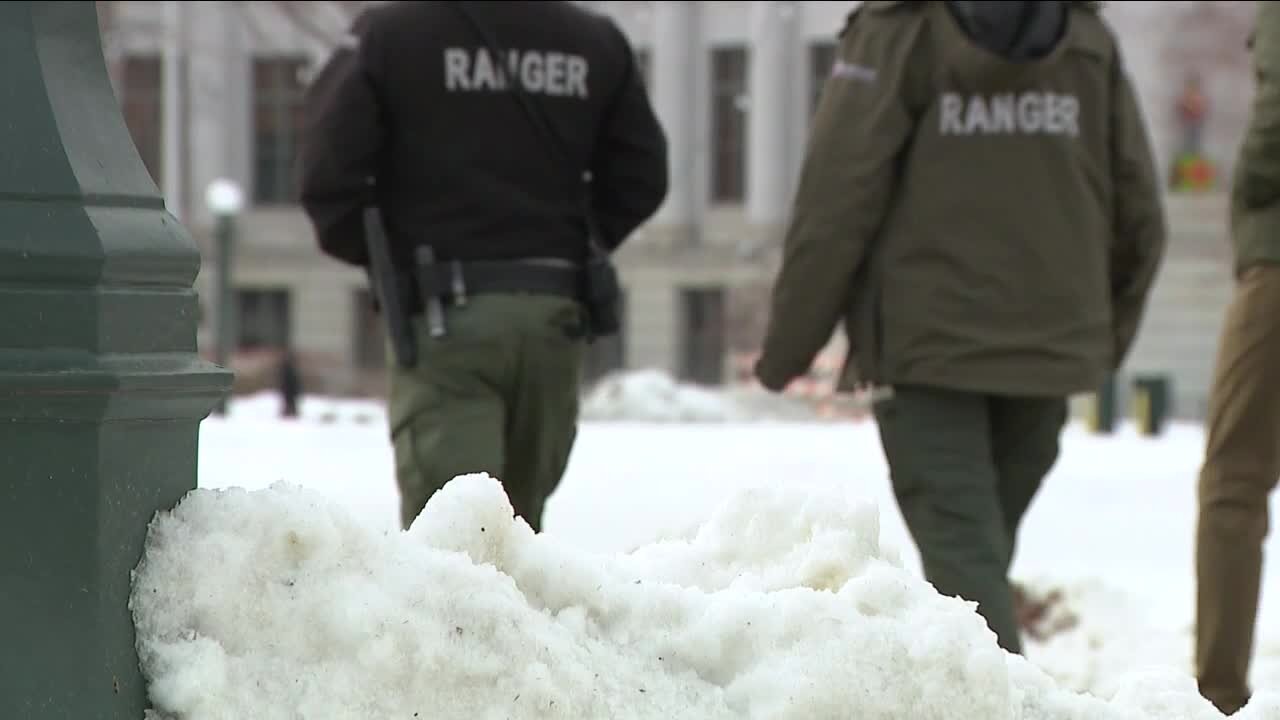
(415, 104)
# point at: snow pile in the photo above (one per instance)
(653, 396)
(643, 396)
(278, 604)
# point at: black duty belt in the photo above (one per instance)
(455, 281)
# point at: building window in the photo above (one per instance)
(821, 57)
(142, 107)
(278, 92)
(370, 337)
(729, 124)
(262, 319)
(703, 335)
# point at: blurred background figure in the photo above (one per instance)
(290, 385)
(1193, 169)
(1193, 109)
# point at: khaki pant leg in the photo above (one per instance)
(1241, 466)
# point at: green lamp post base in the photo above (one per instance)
(102, 390)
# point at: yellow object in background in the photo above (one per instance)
(1141, 409)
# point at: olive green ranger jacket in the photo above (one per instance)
(1255, 195)
(977, 224)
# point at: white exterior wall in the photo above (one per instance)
(675, 29)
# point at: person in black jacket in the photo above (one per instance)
(420, 114)
(290, 384)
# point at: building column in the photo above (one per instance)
(774, 73)
(219, 129)
(220, 102)
(676, 63)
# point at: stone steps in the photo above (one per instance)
(1180, 333)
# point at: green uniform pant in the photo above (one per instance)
(965, 468)
(1241, 466)
(497, 394)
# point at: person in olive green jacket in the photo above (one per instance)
(1242, 456)
(979, 204)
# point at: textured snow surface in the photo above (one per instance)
(279, 603)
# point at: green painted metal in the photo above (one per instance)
(102, 390)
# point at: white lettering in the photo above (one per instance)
(1069, 114)
(576, 82)
(1052, 120)
(977, 120)
(1029, 113)
(952, 107)
(486, 75)
(555, 74)
(1003, 119)
(456, 61)
(550, 73)
(531, 73)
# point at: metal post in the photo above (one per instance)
(224, 237)
(102, 390)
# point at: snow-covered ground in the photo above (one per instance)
(752, 569)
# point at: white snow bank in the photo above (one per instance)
(649, 396)
(278, 604)
(653, 396)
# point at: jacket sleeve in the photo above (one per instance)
(342, 140)
(630, 161)
(1258, 175)
(863, 122)
(1139, 239)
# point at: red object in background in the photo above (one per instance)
(1200, 174)
(1193, 172)
(1193, 106)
